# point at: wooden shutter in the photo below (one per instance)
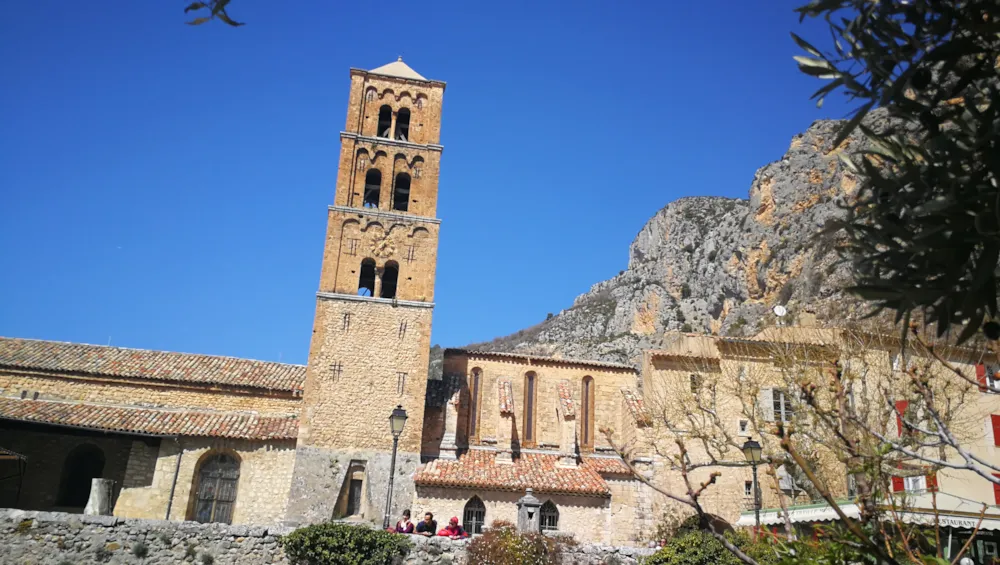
(996, 490)
(897, 484)
(766, 403)
(981, 377)
(901, 409)
(931, 481)
(995, 420)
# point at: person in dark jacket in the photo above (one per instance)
(427, 526)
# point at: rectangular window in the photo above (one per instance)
(411, 253)
(782, 406)
(748, 488)
(352, 246)
(743, 427)
(915, 484)
(852, 486)
(995, 422)
(695, 383)
(988, 377)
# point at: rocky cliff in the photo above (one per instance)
(718, 265)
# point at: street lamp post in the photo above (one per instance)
(396, 422)
(752, 451)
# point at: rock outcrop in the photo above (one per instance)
(718, 265)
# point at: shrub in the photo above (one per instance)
(343, 544)
(503, 545)
(140, 550)
(694, 547)
(190, 551)
(207, 559)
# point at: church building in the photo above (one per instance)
(207, 438)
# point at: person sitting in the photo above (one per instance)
(453, 530)
(427, 526)
(404, 526)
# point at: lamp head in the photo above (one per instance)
(397, 420)
(752, 451)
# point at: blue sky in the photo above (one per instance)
(165, 186)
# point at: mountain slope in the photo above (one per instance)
(710, 264)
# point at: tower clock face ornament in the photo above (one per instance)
(384, 247)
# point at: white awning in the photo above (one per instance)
(953, 511)
(810, 513)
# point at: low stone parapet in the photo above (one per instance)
(56, 538)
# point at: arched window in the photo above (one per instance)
(529, 407)
(366, 281)
(373, 188)
(402, 125)
(82, 465)
(384, 121)
(474, 516)
(587, 412)
(216, 488)
(390, 275)
(401, 193)
(549, 516)
(475, 388)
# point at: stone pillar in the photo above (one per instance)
(528, 510)
(505, 423)
(566, 417)
(99, 503)
(448, 446)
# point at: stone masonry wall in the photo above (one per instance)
(50, 538)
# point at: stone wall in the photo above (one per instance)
(49, 538)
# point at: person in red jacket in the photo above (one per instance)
(453, 530)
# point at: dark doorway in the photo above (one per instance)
(354, 498)
(82, 465)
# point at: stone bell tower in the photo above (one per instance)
(371, 334)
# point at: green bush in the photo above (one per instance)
(343, 544)
(503, 545)
(701, 548)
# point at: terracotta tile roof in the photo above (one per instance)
(477, 469)
(566, 398)
(608, 465)
(540, 359)
(505, 396)
(245, 425)
(635, 407)
(100, 360)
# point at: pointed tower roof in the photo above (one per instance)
(398, 69)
